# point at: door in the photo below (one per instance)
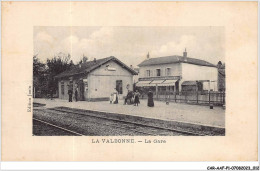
(81, 90)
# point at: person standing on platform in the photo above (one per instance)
(111, 98)
(70, 95)
(150, 99)
(128, 97)
(76, 94)
(115, 97)
(136, 99)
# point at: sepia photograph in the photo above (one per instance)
(129, 81)
(122, 82)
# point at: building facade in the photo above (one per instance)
(177, 74)
(97, 79)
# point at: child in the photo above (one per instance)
(111, 98)
(136, 99)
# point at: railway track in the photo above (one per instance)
(58, 127)
(115, 123)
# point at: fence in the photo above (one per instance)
(207, 97)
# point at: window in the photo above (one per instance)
(168, 72)
(200, 86)
(158, 72)
(148, 73)
(119, 86)
(62, 88)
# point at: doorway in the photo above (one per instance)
(81, 90)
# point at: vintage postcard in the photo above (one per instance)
(129, 81)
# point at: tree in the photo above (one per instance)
(39, 70)
(43, 74)
(84, 59)
(56, 65)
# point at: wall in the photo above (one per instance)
(101, 82)
(175, 69)
(192, 72)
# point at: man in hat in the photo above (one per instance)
(70, 95)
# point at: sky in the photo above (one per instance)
(129, 44)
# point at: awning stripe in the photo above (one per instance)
(154, 82)
(169, 82)
(143, 84)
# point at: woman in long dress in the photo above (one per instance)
(115, 97)
(150, 99)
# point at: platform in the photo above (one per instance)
(180, 112)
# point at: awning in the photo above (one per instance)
(143, 84)
(154, 82)
(191, 83)
(169, 83)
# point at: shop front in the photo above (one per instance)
(159, 85)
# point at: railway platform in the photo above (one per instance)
(175, 112)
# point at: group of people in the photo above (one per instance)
(132, 98)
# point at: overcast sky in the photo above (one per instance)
(130, 44)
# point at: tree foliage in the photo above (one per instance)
(84, 59)
(44, 74)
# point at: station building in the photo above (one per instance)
(177, 74)
(97, 79)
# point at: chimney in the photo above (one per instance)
(131, 66)
(219, 64)
(95, 60)
(185, 54)
(148, 56)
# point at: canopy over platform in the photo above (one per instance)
(153, 83)
(143, 84)
(169, 83)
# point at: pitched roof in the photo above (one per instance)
(92, 65)
(175, 59)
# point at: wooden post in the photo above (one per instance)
(197, 97)
(156, 91)
(166, 92)
(169, 93)
(209, 97)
